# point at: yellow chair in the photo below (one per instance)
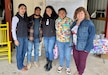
(5, 43)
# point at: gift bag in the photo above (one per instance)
(55, 52)
(72, 52)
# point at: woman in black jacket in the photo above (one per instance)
(19, 33)
(49, 34)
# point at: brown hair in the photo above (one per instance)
(79, 10)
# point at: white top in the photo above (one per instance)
(15, 20)
(74, 32)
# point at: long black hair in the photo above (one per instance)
(53, 15)
(25, 14)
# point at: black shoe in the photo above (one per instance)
(48, 68)
(46, 63)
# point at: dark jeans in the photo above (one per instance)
(80, 60)
(20, 51)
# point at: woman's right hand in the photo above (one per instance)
(16, 42)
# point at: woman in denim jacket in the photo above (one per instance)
(83, 32)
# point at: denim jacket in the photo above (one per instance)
(85, 35)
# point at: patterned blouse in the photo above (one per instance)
(63, 31)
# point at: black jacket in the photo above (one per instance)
(48, 30)
(22, 26)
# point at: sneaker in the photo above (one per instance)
(68, 71)
(29, 66)
(36, 64)
(59, 70)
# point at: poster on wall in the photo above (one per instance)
(69, 5)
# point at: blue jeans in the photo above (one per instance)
(64, 52)
(49, 43)
(20, 51)
(36, 50)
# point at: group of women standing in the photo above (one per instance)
(54, 28)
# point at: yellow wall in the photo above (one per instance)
(31, 4)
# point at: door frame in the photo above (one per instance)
(106, 27)
(8, 9)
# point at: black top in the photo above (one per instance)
(22, 29)
(48, 28)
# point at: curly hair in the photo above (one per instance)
(79, 10)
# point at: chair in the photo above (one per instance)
(5, 43)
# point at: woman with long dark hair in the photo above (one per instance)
(49, 34)
(19, 33)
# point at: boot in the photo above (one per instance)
(46, 63)
(48, 68)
